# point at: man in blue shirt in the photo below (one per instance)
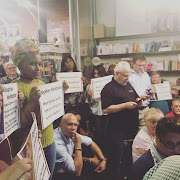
(68, 140)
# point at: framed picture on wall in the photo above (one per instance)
(14, 33)
(3, 34)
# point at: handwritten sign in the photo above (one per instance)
(98, 84)
(11, 116)
(33, 150)
(73, 79)
(162, 91)
(51, 102)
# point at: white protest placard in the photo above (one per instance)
(51, 103)
(98, 84)
(73, 79)
(162, 91)
(11, 116)
(33, 150)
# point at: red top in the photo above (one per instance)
(171, 114)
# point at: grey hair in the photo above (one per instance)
(175, 101)
(121, 66)
(8, 63)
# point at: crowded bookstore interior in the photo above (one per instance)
(89, 89)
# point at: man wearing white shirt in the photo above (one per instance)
(141, 82)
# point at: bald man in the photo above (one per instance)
(68, 140)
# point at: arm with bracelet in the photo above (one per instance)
(78, 162)
(98, 154)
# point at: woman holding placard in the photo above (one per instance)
(97, 120)
(74, 100)
(27, 58)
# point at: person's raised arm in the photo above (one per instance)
(78, 161)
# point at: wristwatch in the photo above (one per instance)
(102, 159)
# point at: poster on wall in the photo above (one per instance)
(51, 103)
(14, 32)
(10, 34)
(3, 34)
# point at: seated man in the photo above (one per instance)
(167, 144)
(67, 140)
(175, 113)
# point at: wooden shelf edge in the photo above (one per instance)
(144, 53)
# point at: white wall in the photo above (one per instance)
(106, 12)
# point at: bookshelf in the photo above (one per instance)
(143, 53)
(155, 47)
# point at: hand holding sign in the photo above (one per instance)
(21, 97)
(35, 94)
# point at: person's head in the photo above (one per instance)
(69, 124)
(155, 77)
(122, 72)
(98, 71)
(152, 116)
(139, 63)
(11, 69)
(168, 136)
(111, 69)
(176, 106)
(27, 58)
(68, 64)
(77, 114)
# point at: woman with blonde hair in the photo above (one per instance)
(143, 140)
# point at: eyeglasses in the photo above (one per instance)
(12, 68)
(176, 106)
(125, 76)
(140, 65)
(170, 145)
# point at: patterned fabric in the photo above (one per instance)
(21, 48)
(168, 168)
(155, 154)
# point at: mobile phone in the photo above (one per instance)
(138, 101)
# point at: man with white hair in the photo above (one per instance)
(120, 101)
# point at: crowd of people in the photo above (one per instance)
(120, 135)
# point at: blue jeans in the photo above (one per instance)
(50, 154)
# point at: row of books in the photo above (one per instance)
(165, 65)
(123, 48)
